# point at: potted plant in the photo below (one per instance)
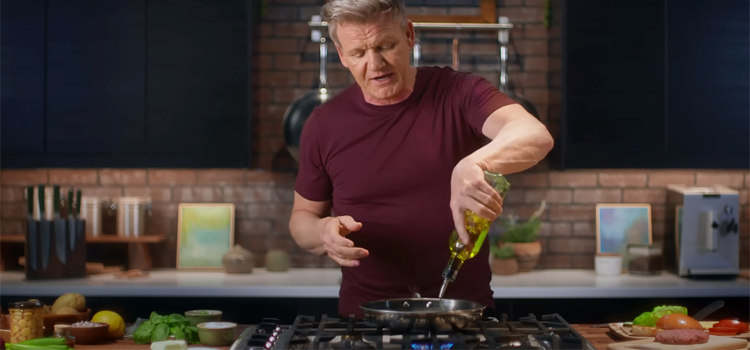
(522, 236)
(504, 260)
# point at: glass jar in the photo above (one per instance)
(645, 259)
(25, 320)
(63, 331)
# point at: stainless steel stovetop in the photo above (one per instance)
(308, 332)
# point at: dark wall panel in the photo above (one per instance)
(96, 76)
(708, 78)
(197, 72)
(22, 82)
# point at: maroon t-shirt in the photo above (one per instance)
(389, 167)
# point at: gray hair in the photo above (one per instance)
(336, 12)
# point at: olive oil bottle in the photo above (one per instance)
(477, 229)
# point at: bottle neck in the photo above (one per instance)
(451, 270)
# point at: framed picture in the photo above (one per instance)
(205, 232)
(618, 225)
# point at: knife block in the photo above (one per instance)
(55, 249)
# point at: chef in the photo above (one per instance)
(389, 165)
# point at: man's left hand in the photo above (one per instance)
(470, 191)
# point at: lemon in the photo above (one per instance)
(116, 324)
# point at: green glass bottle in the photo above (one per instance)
(477, 229)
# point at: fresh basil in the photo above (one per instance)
(160, 327)
(142, 335)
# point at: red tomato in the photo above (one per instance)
(711, 332)
(741, 326)
(728, 330)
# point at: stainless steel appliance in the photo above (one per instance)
(308, 332)
(702, 232)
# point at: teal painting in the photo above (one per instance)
(205, 233)
(618, 225)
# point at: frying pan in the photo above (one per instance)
(297, 113)
(503, 39)
(422, 314)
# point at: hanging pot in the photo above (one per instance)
(503, 39)
(297, 113)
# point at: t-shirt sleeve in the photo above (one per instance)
(480, 99)
(313, 181)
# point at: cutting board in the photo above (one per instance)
(714, 343)
(620, 332)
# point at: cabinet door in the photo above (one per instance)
(708, 83)
(95, 77)
(22, 83)
(198, 59)
(614, 84)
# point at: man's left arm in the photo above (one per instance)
(519, 141)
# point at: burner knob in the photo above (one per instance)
(260, 340)
(264, 328)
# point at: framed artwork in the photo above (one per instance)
(618, 225)
(205, 232)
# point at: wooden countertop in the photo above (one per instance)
(596, 336)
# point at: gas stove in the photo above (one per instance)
(309, 332)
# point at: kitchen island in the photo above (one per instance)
(324, 283)
(596, 336)
(580, 296)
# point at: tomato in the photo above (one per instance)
(711, 332)
(728, 330)
(740, 326)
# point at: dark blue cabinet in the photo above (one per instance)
(153, 83)
(656, 84)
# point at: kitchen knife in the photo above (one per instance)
(71, 221)
(70, 203)
(44, 236)
(59, 227)
(711, 308)
(80, 234)
(32, 231)
(78, 203)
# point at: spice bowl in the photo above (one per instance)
(89, 332)
(200, 316)
(216, 333)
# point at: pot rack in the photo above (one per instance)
(503, 27)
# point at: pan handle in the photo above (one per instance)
(323, 65)
(316, 36)
(502, 38)
(455, 55)
(417, 51)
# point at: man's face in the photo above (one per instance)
(377, 54)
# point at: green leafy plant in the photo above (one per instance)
(159, 328)
(522, 232)
(504, 252)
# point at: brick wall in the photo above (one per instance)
(286, 66)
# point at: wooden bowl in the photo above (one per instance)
(95, 334)
(50, 320)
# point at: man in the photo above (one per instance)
(389, 165)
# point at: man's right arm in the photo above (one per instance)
(320, 234)
(307, 221)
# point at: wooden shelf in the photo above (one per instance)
(97, 239)
(139, 256)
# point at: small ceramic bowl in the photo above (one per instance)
(90, 333)
(216, 333)
(199, 316)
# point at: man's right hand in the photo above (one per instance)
(339, 248)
